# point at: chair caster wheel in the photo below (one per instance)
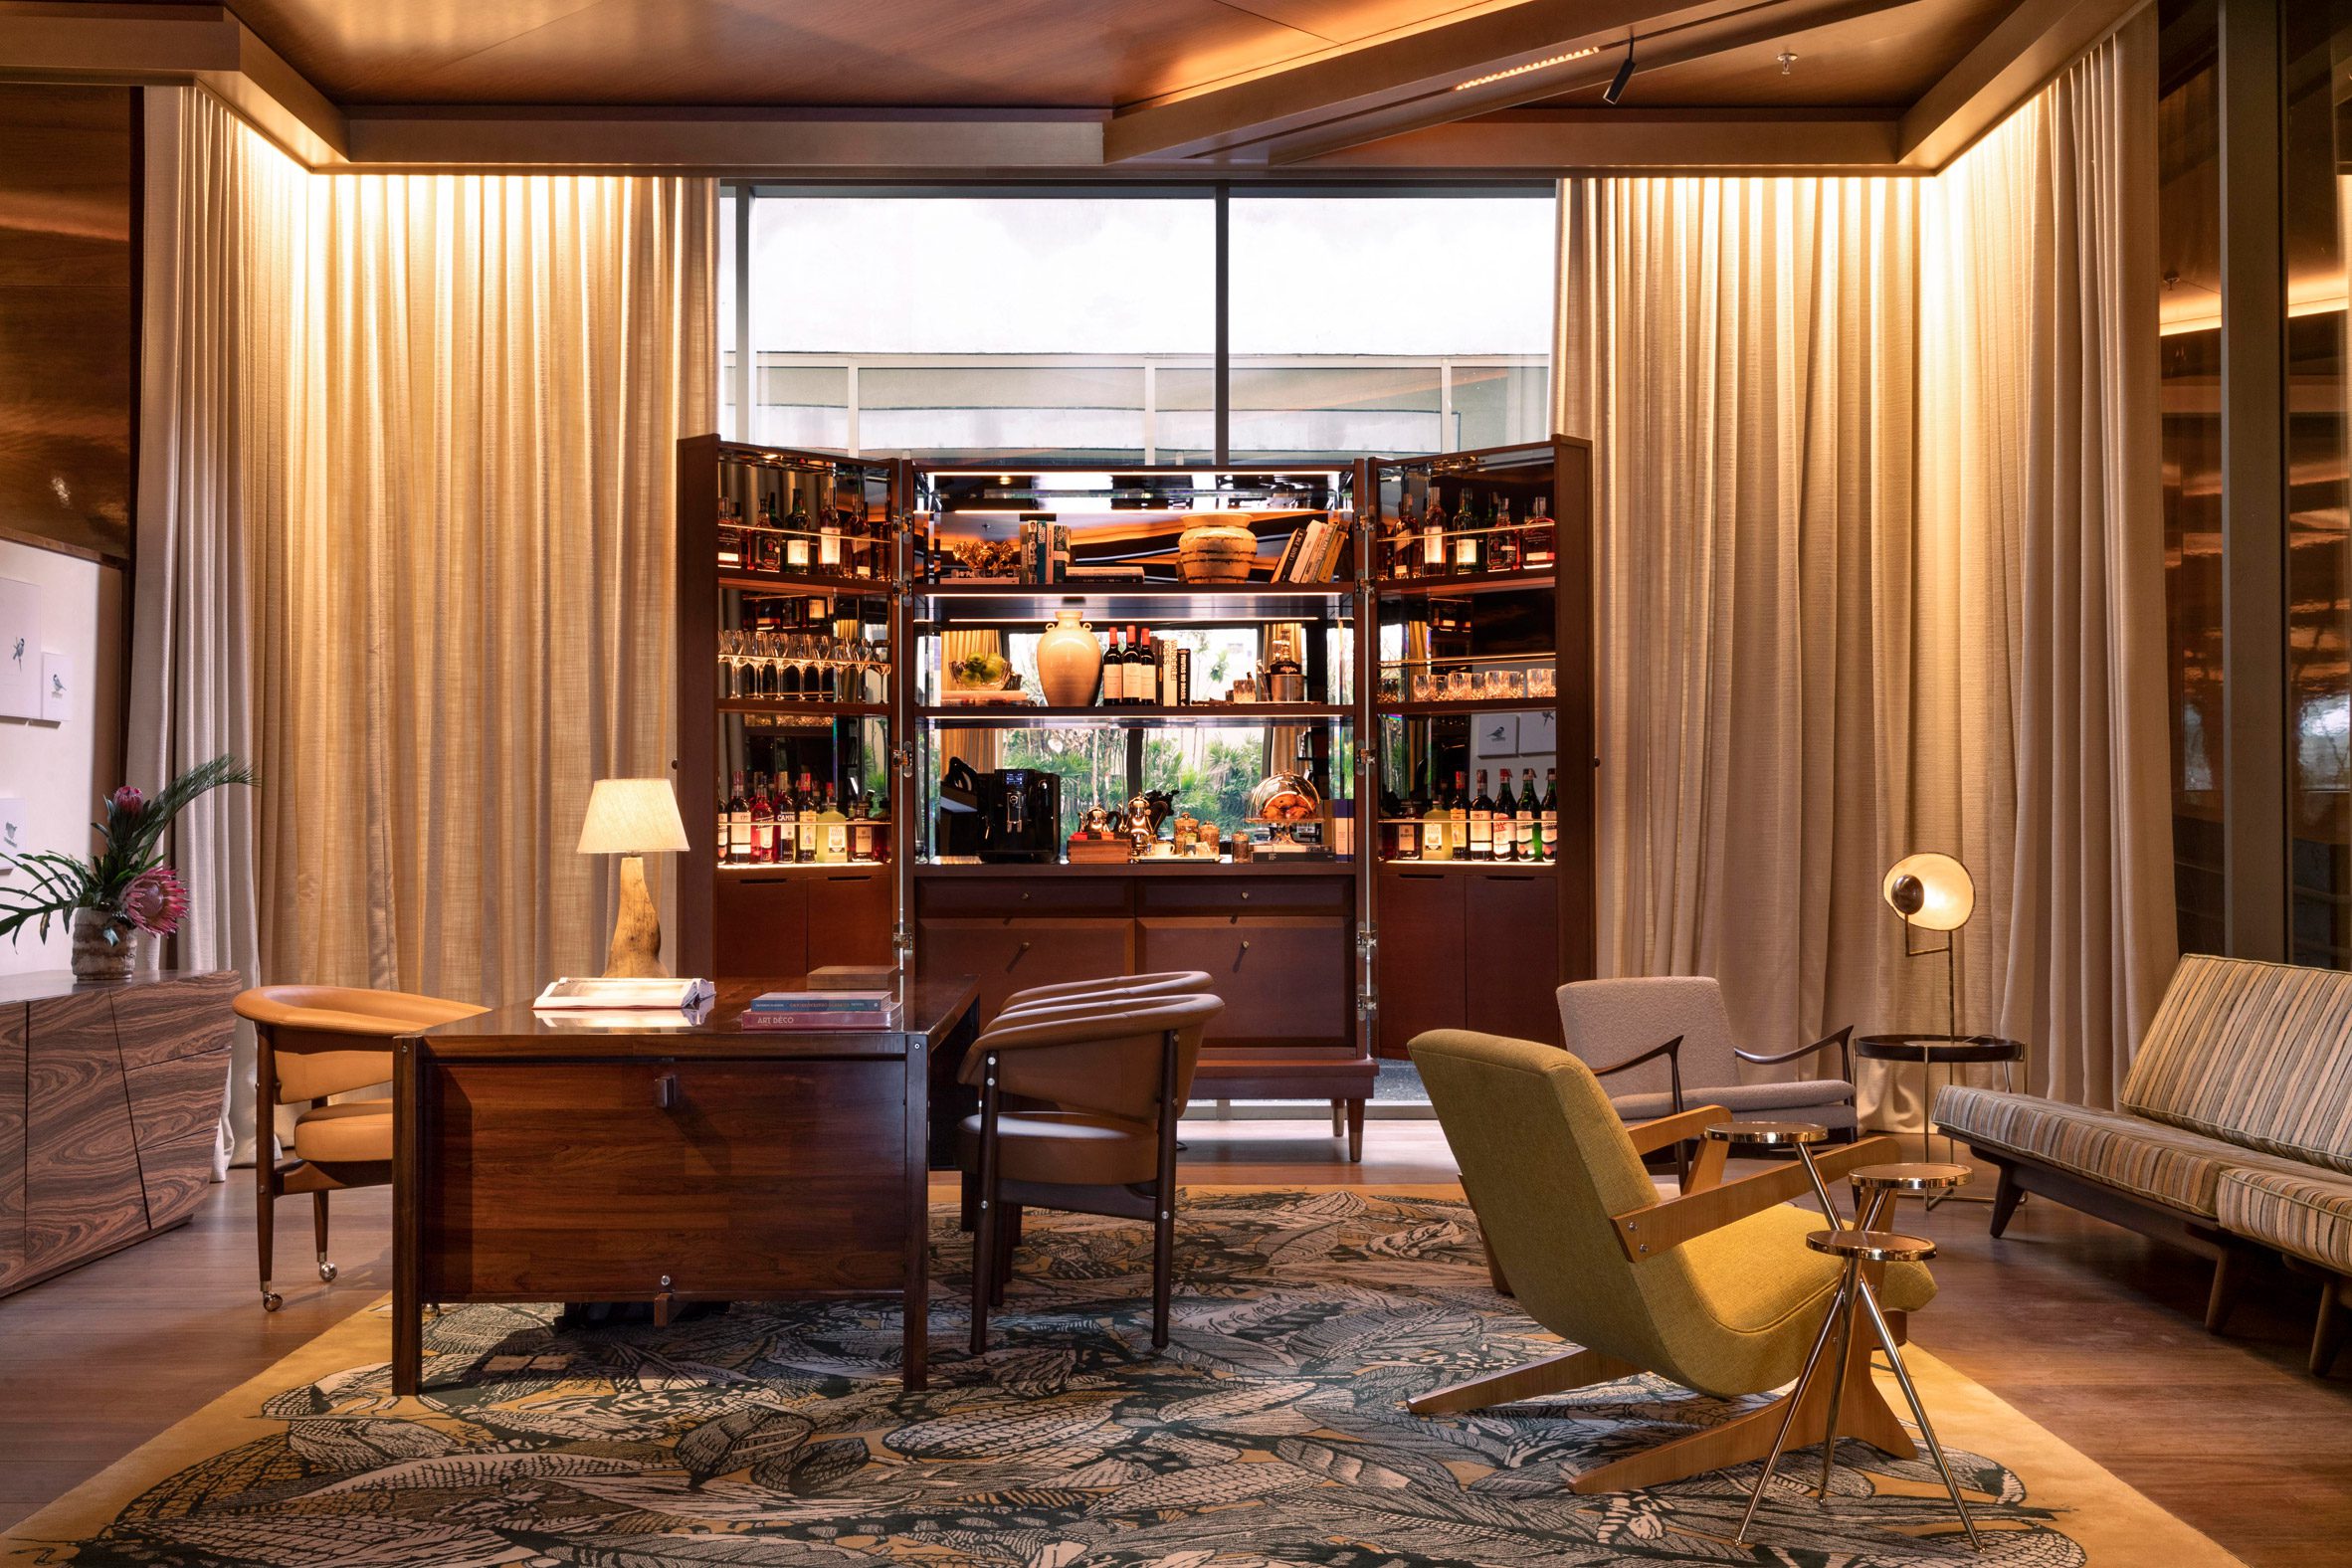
(327, 1272)
(271, 1300)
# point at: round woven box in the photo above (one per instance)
(1216, 553)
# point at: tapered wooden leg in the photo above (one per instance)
(265, 1211)
(984, 1243)
(1338, 1117)
(2327, 1336)
(1552, 1375)
(1865, 1415)
(1163, 1197)
(1355, 1132)
(326, 1271)
(2006, 1197)
(1502, 1285)
(2228, 1276)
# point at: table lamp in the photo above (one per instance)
(1933, 892)
(634, 818)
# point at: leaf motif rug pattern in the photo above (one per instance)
(1271, 1432)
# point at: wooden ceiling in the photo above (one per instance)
(1230, 88)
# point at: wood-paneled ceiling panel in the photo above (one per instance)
(1885, 60)
(1080, 54)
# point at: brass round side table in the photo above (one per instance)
(1927, 1052)
(1856, 1246)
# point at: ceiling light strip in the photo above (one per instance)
(1533, 64)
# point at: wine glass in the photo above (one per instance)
(730, 653)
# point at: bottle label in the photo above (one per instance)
(837, 840)
(1432, 839)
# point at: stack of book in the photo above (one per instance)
(822, 1010)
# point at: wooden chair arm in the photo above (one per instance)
(1650, 1136)
(1843, 1039)
(1671, 1051)
(1659, 1226)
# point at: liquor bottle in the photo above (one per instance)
(1481, 822)
(1457, 813)
(1397, 545)
(763, 826)
(739, 825)
(832, 832)
(1145, 676)
(1437, 829)
(831, 560)
(1394, 834)
(796, 538)
(1535, 540)
(878, 813)
(730, 535)
(725, 826)
(1551, 815)
(862, 829)
(1284, 680)
(804, 822)
(766, 550)
(1470, 540)
(1432, 537)
(1502, 545)
(1506, 822)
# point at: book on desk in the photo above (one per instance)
(822, 1010)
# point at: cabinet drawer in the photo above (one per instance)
(762, 924)
(1239, 893)
(850, 915)
(1284, 978)
(570, 1181)
(1022, 896)
(1011, 955)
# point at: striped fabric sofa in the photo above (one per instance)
(2235, 1131)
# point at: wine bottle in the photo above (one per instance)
(860, 829)
(1481, 822)
(803, 849)
(1144, 679)
(763, 826)
(1550, 827)
(796, 538)
(1403, 529)
(1470, 540)
(725, 826)
(1506, 822)
(1398, 841)
(1432, 537)
(739, 850)
(1458, 816)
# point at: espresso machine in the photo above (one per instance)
(1010, 815)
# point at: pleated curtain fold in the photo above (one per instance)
(1881, 570)
(407, 544)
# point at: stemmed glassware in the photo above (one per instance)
(730, 653)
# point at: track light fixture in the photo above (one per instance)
(1625, 73)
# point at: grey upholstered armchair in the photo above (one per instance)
(1664, 1042)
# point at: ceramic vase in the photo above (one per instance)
(1069, 662)
(96, 958)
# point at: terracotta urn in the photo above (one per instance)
(1069, 662)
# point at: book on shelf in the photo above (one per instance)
(623, 994)
(1311, 550)
(1292, 548)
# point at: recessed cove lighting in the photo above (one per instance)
(1532, 65)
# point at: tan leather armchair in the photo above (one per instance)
(1714, 1288)
(315, 1041)
(1116, 1075)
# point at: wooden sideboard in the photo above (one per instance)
(109, 1104)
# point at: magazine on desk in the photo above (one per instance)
(651, 993)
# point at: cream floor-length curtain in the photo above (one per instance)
(226, 303)
(1880, 571)
(476, 612)
(1743, 354)
(2043, 760)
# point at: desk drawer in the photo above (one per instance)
(571, 1181)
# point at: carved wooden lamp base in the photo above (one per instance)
(637, 929)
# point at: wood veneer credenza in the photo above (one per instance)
(110, 1106)
(545, 1158)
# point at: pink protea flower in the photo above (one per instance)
(128, 799)
(155, 901)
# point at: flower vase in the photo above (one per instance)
(1069, 662)
(96, 958)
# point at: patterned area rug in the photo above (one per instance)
(1271, 1433)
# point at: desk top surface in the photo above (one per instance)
(45, 985)
(927, 1007)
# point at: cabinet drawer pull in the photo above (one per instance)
(1025, 897)
(1245, 895)
(1244, 944)
(666, 1092)
(1025, 948)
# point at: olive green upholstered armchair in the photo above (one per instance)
(1714, 1288)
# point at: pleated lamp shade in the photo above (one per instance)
(631, 816)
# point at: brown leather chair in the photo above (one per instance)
(1117, 1074)
(1166, 982)
(316, 1040)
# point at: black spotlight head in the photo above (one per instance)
(1625, 73)
(1910, 896)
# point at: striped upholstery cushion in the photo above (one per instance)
(2141, 1157)
(2309, 1215)
(2254, 1054)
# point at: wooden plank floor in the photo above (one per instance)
(2091, 1330)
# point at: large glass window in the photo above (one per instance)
(1083, 326)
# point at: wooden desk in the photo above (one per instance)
(546, 1159)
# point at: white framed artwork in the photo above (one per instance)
(20, 650)
(1539, 732)
(15, 833)
(57, 688)
(1498, 735)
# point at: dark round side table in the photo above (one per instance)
(1927, 1052)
